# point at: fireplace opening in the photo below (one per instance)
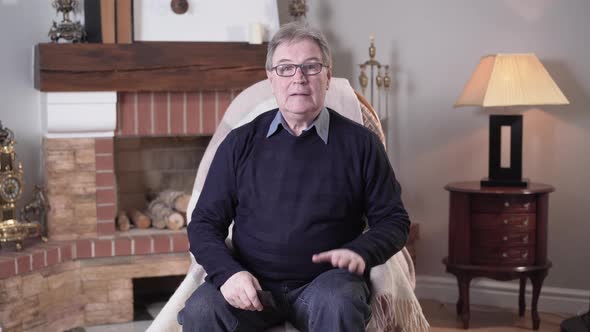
(147, 168)
(150, 295)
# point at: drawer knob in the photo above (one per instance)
(525, 239)
(505, 255)
(506, 204)
(505, 221)
(526, 205)
(525, 254)
(526, 221)
(505, 238)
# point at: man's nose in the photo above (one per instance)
(299, 76)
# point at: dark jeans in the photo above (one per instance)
(335, 301)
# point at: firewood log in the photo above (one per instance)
(123, 222)
(175, 221)
(140, 219)
(158, 211)
(164, 216)
(177, 200)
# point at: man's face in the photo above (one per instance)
(299, 95)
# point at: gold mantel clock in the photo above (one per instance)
(11, 186)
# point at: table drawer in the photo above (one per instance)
(504, 256)
(503, 203)
(504, 239)
(505, 222)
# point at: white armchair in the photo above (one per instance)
(393, 302)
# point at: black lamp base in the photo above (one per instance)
(576, 324)
(487, 182)
(500, 176)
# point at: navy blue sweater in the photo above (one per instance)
(295, 196)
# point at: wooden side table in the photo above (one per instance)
(498, 233)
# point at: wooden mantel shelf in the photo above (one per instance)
(148, 66)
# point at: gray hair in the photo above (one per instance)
(297, 31)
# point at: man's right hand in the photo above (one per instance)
(240, 291)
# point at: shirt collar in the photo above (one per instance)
(321, 124)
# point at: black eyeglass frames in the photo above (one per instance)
(289, 69)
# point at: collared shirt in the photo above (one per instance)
(321, 124)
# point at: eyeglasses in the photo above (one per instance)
(307, 69)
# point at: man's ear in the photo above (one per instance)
(329, 75)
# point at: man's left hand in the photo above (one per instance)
(343, 259)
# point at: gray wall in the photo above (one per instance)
(433, 47)
(23, 24)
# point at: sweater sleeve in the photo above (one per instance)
(387, 218)
(213, 214)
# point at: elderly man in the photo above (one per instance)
(300, 183)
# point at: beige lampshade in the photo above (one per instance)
(510, 80)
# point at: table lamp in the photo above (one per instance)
(508, 80)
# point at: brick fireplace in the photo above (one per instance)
(87, 258)
(80, 172)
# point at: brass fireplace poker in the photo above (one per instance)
(381, 78)
(11, 186)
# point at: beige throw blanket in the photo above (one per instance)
(393, 301)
